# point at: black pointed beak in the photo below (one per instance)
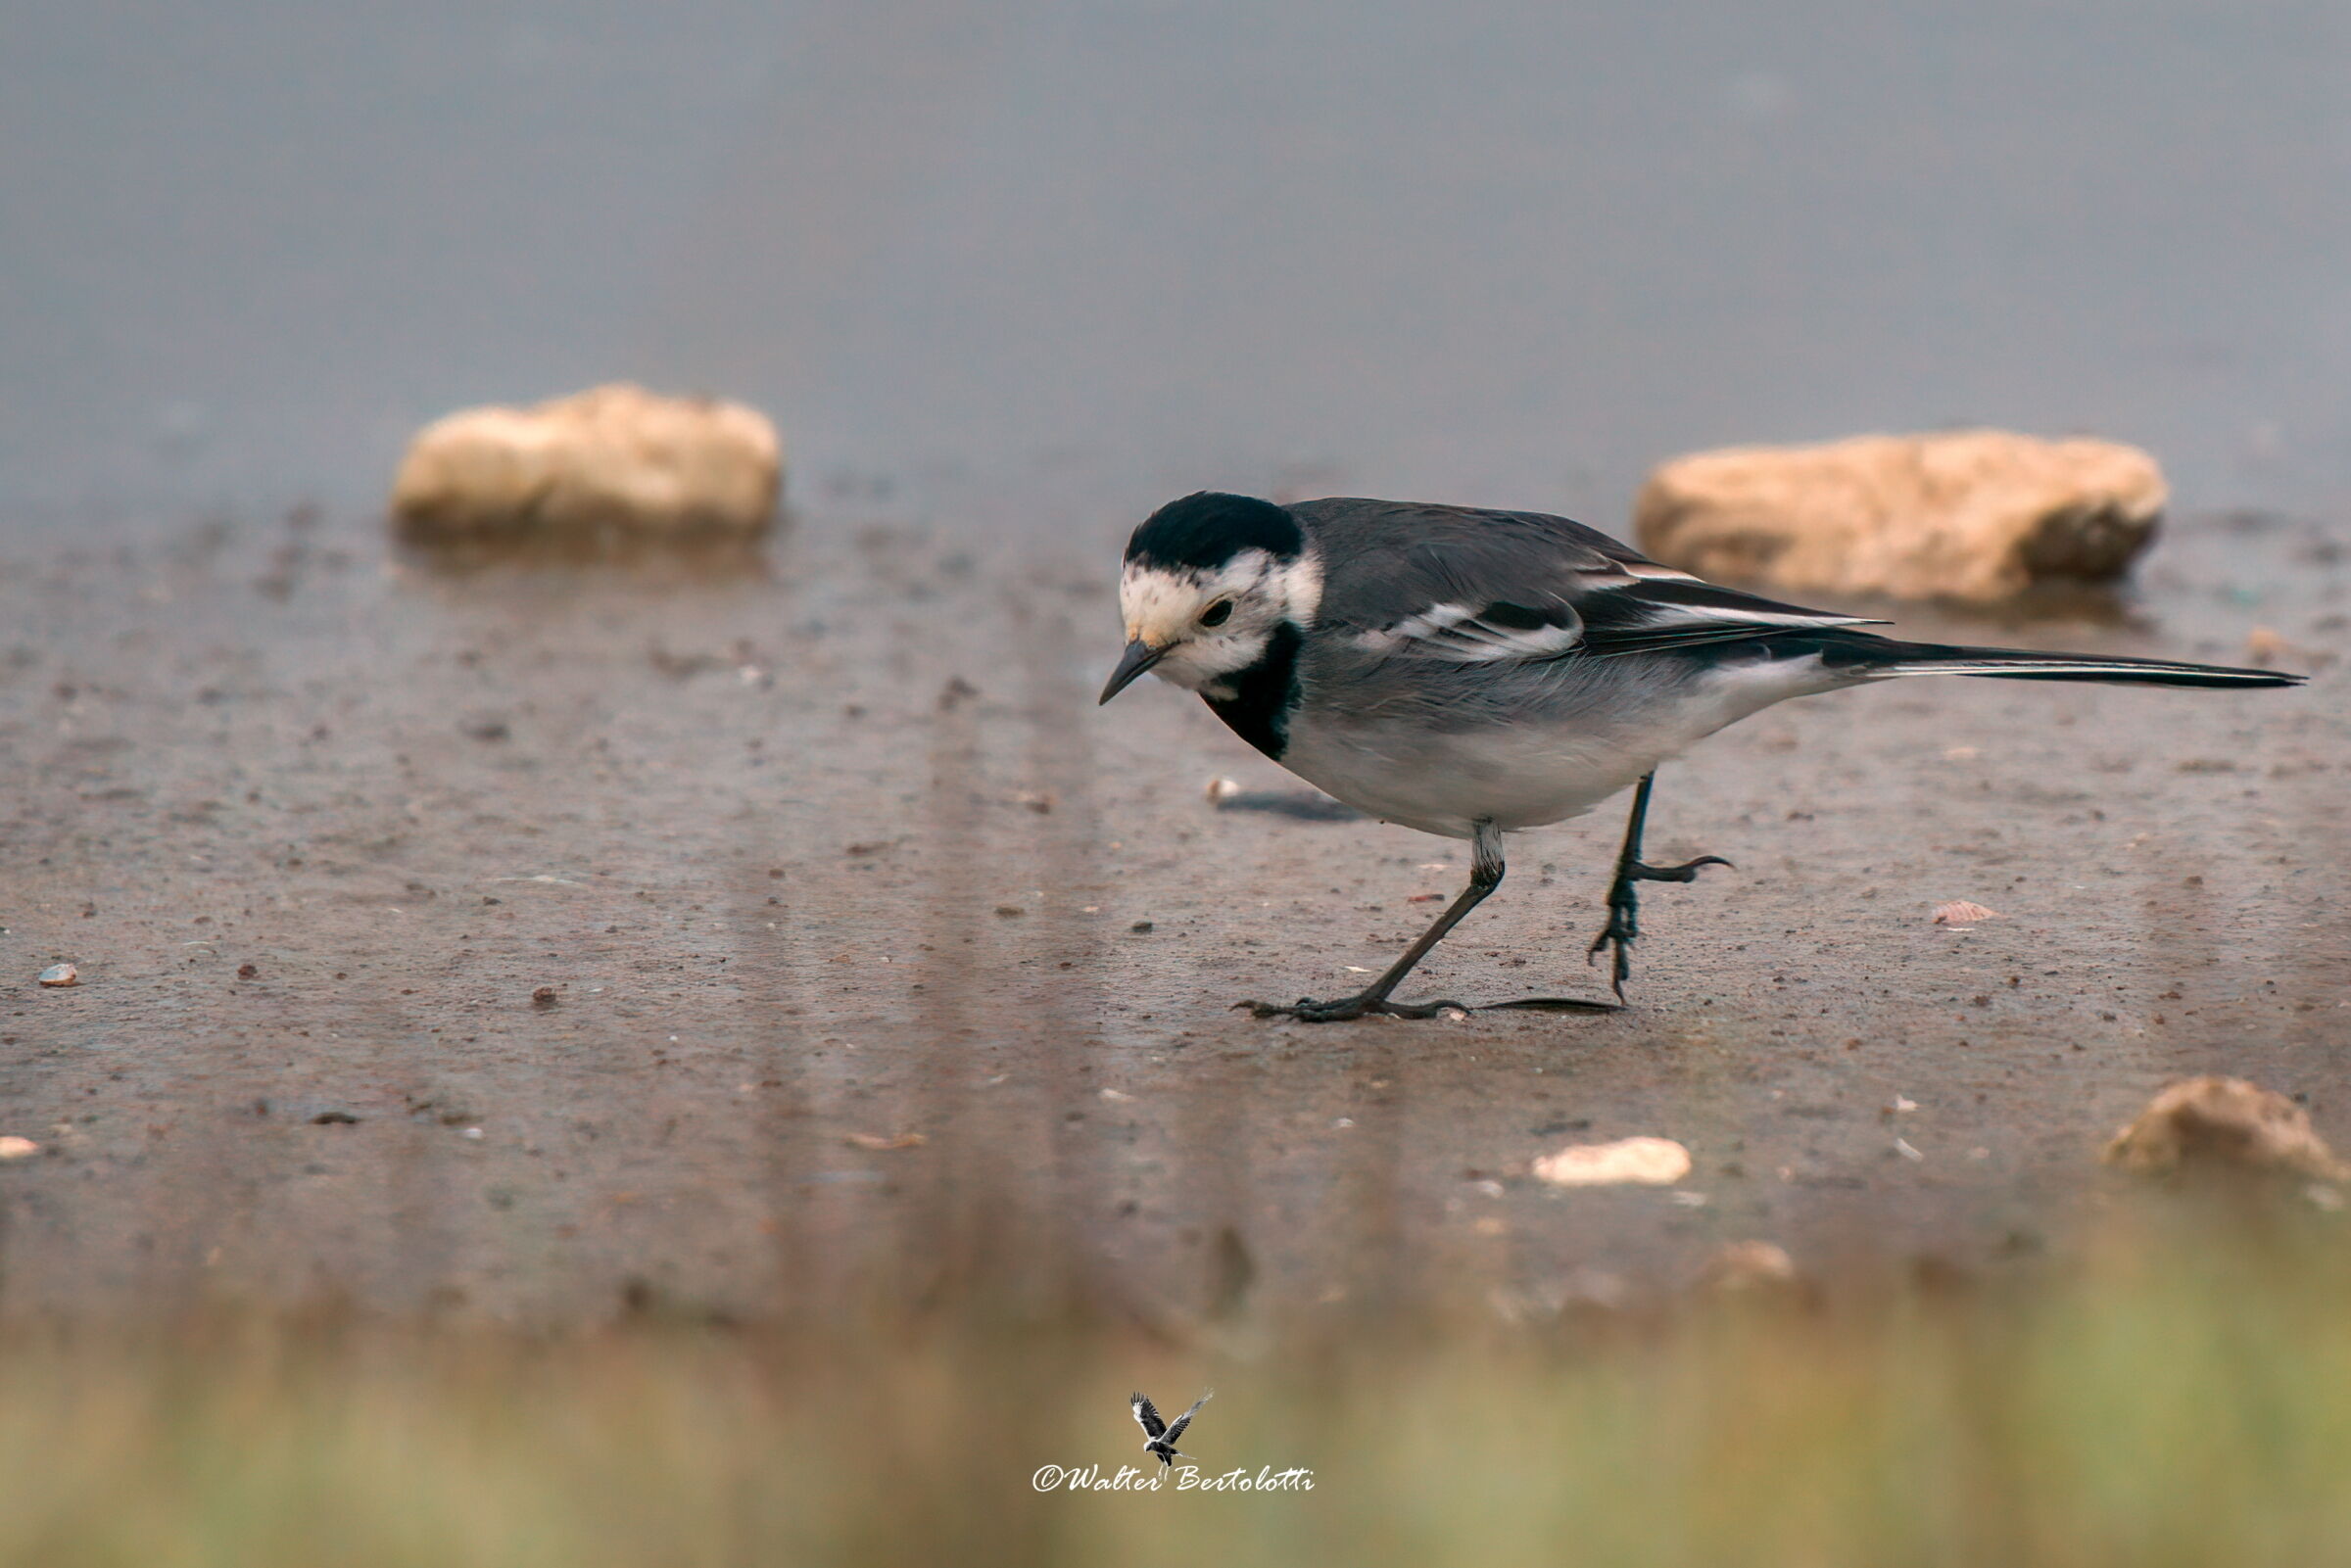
(1138, 657)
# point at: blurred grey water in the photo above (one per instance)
(1052, 259)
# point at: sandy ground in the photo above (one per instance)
(840, 846)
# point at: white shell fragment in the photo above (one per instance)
(12, 1147)
(61, 974)
(1639, 1162)
(1959, 912)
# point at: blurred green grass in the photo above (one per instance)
(2171, 1395)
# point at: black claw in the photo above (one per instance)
(1685, 871)
(1306, 1010)
(1624, 911)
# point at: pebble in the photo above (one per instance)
(1968, 514)
(879, 1144)
(61, 974)
(1639, 1162)
(12, 1147)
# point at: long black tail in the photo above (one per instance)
(1865, 653)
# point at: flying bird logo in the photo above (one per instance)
(1162, 1435)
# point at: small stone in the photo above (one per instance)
(61, 974)
(879, 1144)
(1220, 790)
(1970, 514)
(249, 972)
(1959, 912)
(334, 1118)
(544, 997)
(1750, 1265)
(614, 460)
(12, 1147)
(1746, 1263)
(2224, 1124)
(1010, 911)
(1142, 926)
(1642, 1161)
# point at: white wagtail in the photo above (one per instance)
(1473, 672)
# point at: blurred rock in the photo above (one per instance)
(1641, 1161)
(1976, 514)
(614, 462)
(2224, 1124)
(1754, 1270)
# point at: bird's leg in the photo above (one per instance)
(1485, 875)
(1624, 904)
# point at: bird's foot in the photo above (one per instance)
(1685, 871)
(1624, 913)
(1306, 1010)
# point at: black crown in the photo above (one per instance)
(1207, 529)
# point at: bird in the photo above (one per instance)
(1475, 673)
(1160, 1436)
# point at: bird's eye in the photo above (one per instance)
(1217, 614)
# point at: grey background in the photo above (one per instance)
(990, 260)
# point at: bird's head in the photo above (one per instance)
(1208, 581)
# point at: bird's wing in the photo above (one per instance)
(1148, 1414)
(1473, 587)
(1185, 1419)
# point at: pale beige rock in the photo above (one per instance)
(1641, 1161)
(2224, 1124)
(614, 462)
(1973, 514)
(12, 1147)
(1759, 1267)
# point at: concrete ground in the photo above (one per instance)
(532, 942)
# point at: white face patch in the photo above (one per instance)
(1162, 607)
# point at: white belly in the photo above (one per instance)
(1443, 782)
(1527, 773)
